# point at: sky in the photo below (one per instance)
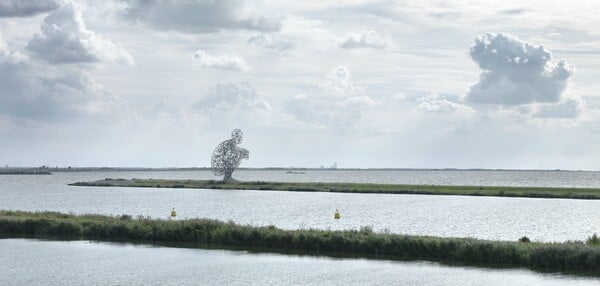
(364, 84)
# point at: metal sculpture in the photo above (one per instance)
(228, 156)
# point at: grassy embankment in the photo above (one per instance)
(535, 192)
(570, 256)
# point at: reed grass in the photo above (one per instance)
(500, 191)
(364, 242)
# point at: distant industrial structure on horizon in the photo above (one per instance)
(334, 166)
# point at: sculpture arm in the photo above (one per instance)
(244, 154)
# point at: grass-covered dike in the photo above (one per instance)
(569, 256)
(532, 192)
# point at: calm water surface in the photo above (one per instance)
(456, 216)
(431, 177)
(35, 262)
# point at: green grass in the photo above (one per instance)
(534, 192)
(569, 256)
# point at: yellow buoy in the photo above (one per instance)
(337, 214)
(173, 213)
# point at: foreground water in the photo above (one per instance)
(450, 216)
(85, 263)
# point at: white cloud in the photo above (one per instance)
(324, 113)
(516, 72)
(26, 8)
(232, 97)
(337, 83)
(399, 96)
(358, 97)
(359, 101)
(336, 103)
(200, 16)
(368, 39)
(435, 103)
(226, 62)
(569, 107)
(308, 109)
(231, 104)
(65, 39)
(265, 41)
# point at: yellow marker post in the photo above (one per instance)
(337, 214)
(173, 213)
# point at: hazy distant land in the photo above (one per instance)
(24, 171)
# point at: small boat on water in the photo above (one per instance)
(294, 172)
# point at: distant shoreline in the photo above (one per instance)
(25, 172)
(495, 191)
(175, 169)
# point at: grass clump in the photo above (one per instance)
(363, 242)
(593, 240)
(524, 239)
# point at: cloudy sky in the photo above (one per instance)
(159, 83)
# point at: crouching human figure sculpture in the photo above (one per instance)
(228, 156)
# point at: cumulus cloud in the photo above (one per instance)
(26, 8)
(308, 109)
(226, 62)
(435, 103)
(65, 39)
(33, 92)
(322, 113)
(570, 107)
(232, 97)
(338, 83)
(200, 16)
(368, 39)
(265, 41)
(516, 72)
(359, 101)
(336, 103)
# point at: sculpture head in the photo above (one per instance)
(237, 136)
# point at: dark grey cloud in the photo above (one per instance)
(199, 16)
(516, 73)
(65, 39)
(30, 92)
(26, 8)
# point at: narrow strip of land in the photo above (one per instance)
(24, 172)
(203, 233)
(531, 192)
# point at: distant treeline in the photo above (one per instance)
(569, 256)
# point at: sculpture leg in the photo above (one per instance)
(227, 177)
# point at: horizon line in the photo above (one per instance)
(91, 168)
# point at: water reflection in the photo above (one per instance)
(34, 262)
(454, 216)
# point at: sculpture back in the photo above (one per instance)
(228, 156)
